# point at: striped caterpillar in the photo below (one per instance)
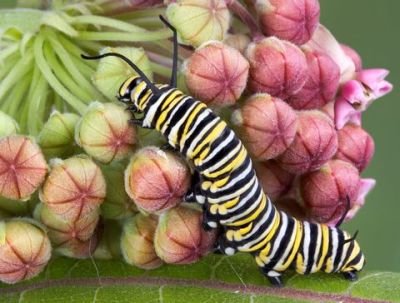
(226, 185)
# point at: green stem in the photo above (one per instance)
(104, 21)
(129, 37)
(148, 23)
(15, 95)
(19, 70)
(74, 102)
(8, 65)
(69, 64)
(76, 51)
(37, 96)
(160, 69)
(4, 53)
(149, 12)
(63, 76)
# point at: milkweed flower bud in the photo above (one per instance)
(22, 167)
(353, 55)
(237, 41)
(8, 126)
(267, 125)
(277, 67)
(321, 85)
(355, 146)
(198, 21)
(137, 244)
(25, 250)
(104, 132)
(315, 143)
(180, 237)
(111, 71)
(366, 185)
(156, 180)
(74, 188)
(216, 74)
(57, 135)
(324, 192)
(117, 204)
(274, 180)
(292, 20)
(76, 239)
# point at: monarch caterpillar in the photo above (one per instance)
(226, 185)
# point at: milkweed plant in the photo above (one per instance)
(77, 179)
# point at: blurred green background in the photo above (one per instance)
(370, 27)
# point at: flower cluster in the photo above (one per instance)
(89, 183)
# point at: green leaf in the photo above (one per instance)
(215, 279)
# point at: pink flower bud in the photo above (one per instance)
(137, 242)
(22, 167)
(74, 188)
(292, 20)
(216, 74)
(355, 146)
(180, 237)
(324, 192)
(76, 239)
(315, 143)
(267, 124)
(321, 85)
(277, 67)
(25, 250)
(156, 180)
(274, 180)
(353, 55)
(366, 185)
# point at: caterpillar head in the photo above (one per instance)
(132, 92)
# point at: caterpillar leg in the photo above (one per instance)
(273, 277)
(194, 193)
(209, 220)
(350, 275)
(138, 122)
(225, 247)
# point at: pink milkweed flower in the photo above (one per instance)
(357, 95)
(365, 186)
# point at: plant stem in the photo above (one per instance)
(74, 102)
(37, 96)
(19, 70)
(149, 12)
(129, 37)
(4, 53)
(160, 69)
(63, 76)
(69, 64)
(104, 21)
(238, 9)
(15, 95)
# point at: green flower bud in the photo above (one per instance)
(137, 242)
(8, 126)
(25, 250)
(111, 71)
(57, 135)
(104, 132)
(117, 204)
(198, 21)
